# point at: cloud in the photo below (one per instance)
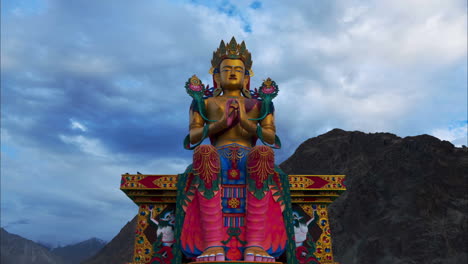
(17, 222)
(457, 133)
(87, 145)
(69, 191)
(371, 71)
(77, 125)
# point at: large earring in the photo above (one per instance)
(246, 93)
(245, 89)
(217, 91)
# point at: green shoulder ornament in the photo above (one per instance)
(197, 91)
(266, 93)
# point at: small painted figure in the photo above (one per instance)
(301, 227)
(165, 227)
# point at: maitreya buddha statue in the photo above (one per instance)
(233, 194)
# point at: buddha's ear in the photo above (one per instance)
(217, 84)
(246, 87)
(217, 80)
(246, 81)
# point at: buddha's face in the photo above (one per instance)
(232, 74)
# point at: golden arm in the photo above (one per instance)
(196, 127)
(267, 125)
(268, 129)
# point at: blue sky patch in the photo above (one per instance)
(256, 5)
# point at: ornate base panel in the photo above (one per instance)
(154, 234)
(312, 233)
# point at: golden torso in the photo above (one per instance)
(232, 79)
(215, 108)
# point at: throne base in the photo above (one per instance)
(310, 195)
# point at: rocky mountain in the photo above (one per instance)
(18, 250)
(406, 198)
(76, 253)
(120, 249)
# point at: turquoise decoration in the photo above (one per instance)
(266, 93)
(197, 90)
(180, 214)
(276, 145)
(187, 139)
(234, 232)
(287, 215)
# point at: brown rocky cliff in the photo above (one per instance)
(18, 250)
(120, 249)
(406, 201)
(76, 253)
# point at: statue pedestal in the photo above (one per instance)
(155, 196)
(229, 262)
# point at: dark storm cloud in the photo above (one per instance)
(17, 222)
(90, 101)
(76, 70)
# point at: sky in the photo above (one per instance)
(94, 89)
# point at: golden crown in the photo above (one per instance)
(231, 51)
